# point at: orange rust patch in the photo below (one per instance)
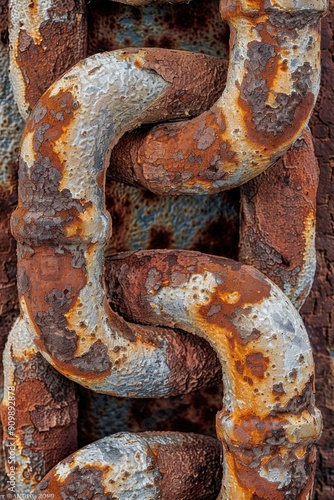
(47, 271)
(195, 144)
(261, 243)
(249, 480)
(138, 62)
(58, 112)
(59, 45)
(257, 363)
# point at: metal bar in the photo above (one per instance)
(11, 126)
(268, 423)
(272, 85)
(39, 413)
(56, 224)
(61, 216)
(46, 38)
(148, 466)
(277, 223)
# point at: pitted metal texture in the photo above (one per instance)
(62, 228)
(271, 92)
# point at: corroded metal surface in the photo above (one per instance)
(39, 412)
(198, 98)
(179, 26)
(271, 92)
(268, 423)
(79, 245)
(147, 465)
(277, 231)
(11, 127)
(37, 228)
(46, 38)
(318, 309)
(62, 219)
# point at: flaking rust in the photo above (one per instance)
(268, 424)
(190, 100)
(277, 226)
(271, 92)
(58, 300)
(147, 465)
(11, 127)
(44, 404)
(46, 37)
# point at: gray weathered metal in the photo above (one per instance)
(269, 423)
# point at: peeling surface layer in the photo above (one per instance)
(46, 38)
(268, 423)
(147, 465)
(267, 214)
(318, 309)
(272, 85)
(11, 126)
(268, 407)
(44, 405)
(57, 217)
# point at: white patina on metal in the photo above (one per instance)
(299, 293)
(269, 111)
(88, 141)
(19, 347)
(50, 414)
(135, 466)
(27, 20)
(21, 19)
(110, 94)
(122, 94)
(134, 473)
(11, 126)
(259, 337)
(283, 336)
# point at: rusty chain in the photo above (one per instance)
(268, 424)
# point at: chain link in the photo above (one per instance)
(268, 423)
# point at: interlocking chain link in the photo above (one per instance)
(268, 423)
